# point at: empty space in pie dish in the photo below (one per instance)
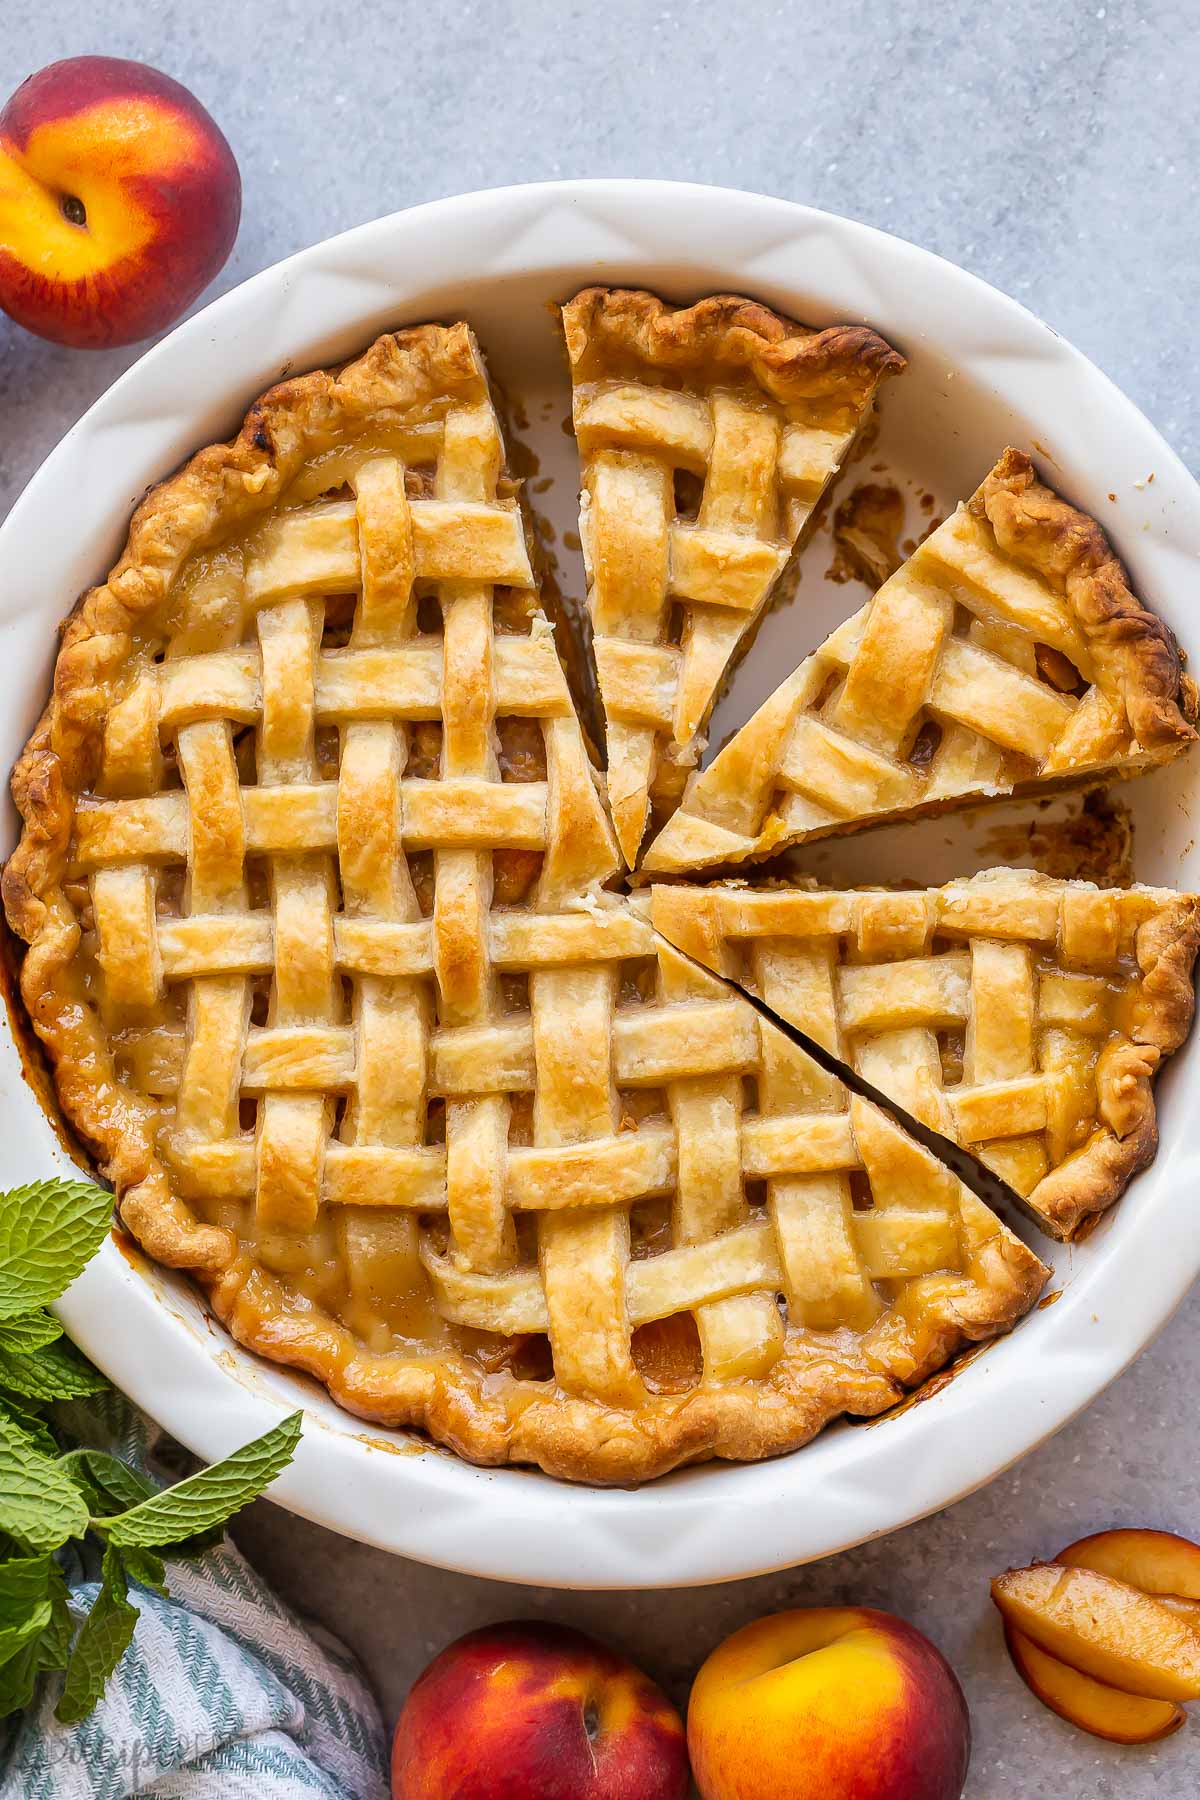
(982, 374)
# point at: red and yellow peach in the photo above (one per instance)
(533, 1712)
(119, 201)
(828, 1703)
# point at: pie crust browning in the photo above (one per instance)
(1022, 1017)
(707, 435)
(1008, 652)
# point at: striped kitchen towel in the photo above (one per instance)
(222, 1695)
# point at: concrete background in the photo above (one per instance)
(1051, 148)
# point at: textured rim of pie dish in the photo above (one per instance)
(148, 1330)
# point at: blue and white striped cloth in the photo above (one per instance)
(222, 1695)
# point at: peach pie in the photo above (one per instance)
(331, 949)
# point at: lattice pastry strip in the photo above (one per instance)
(742, 1335)
(1008, 650)
(1021, 1016)
(707, 437)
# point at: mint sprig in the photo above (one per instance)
(50, 1496)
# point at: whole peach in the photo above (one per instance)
(828, 1704)
(536, 1712)
(119, 201)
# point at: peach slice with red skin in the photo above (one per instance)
(1090, 1704)
(1117, 1634)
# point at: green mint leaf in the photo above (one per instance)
(18, 1678)
(26, 1418)
(206, 1499)
(14, 1637)
(55, 1644)
(56, 1372)
(146, 1568)
(110, 1486)
(29, 1332)
(25, 1602)
(23, 1581)
(102, 1642)
(49, 1231)
(40, 1506)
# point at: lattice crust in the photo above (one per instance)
(707, 436)
(1023, 1017)
(311, 880)
(1007, 651)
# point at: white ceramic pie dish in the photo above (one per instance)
(983, 373)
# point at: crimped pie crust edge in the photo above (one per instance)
(1036, 526)
(789, 361)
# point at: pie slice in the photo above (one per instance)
(707, 437)
(1006, 654)
(312, 885)
(1023, 1017)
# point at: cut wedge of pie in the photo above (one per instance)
(707, 436)
(318, 945)
(1022, 1017)
(1008, 654)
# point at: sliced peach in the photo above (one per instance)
(1114, 1633)
(1183, 1609)
(1093, 1706)
(1158, 1562)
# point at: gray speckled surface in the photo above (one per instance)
(1049, 147)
